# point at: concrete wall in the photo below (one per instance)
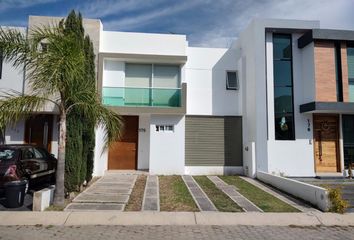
(144, 142)
(143, 43)
(11, 77)
(285, 157)
(308, 73)
(205, 75)
(167, 148)
(101, 154)
(313, 194)
(257, 104)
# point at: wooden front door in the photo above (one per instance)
(38, 130)
(123, 154)
(326, 136)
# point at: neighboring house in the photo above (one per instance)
(278, 100)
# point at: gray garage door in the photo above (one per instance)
(213, 141)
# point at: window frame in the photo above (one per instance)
(293, 135)
(227, 80)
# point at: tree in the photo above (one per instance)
(55, 75)
(81, 134)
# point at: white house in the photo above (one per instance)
(279, 100)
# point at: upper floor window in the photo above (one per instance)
(152, 75)
(231, 80)
(283, 87)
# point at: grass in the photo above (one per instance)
(136, 198)
(264, 200)
(174, 195)
(221, 201)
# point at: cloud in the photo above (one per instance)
(106, 8)
(150, 17)
(8, 4)
(228, 26)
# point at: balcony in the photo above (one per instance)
(141, 97)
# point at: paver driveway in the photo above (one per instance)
(111, 192)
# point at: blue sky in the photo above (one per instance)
(212, 23)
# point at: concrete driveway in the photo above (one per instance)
(111, 192)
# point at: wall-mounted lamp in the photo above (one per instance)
(142, 130)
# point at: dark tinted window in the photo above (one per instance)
(282, 46)
(27, 153)
(283, 87)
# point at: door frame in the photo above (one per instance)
(137, 144)
(338, 158)
(27, 135)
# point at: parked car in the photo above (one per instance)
(18, 162)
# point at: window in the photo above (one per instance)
(166, 76)
(164, 128)
(38, 154)
(231, 80)
(350, 60)
(348, 139)
(283, 87)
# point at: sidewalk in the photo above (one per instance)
(175, 218)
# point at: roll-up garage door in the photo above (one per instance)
(213, 141)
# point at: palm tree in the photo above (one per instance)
(54, 76)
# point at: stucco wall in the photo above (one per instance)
(144, 142)
(286, 157)
(167, 148)
(205, 75)
(143, 43)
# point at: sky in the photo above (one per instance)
(207, 23)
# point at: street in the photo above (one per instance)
(40, 232)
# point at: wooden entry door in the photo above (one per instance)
(38, 130)
(326, 135)
(123, 154)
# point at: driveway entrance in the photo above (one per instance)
(111, 192)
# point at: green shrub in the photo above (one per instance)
(338, 205)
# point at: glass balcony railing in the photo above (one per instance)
(141, 97)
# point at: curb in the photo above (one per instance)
(175, 218)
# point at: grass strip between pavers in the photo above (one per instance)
(264, 200)
(136, 197)
(174, 195)
(221, 201)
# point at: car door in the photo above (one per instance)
(32, 162)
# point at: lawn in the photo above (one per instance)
(264, 200)
(136, 198)
(221, 201)
(174, 195)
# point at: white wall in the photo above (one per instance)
(143, 43)
(15, 134)
(205, 75)
(294, 157)
(101, 154)
(317, 196)
(167, 148)
(144, 142)
(113, 73)
(12, 78)
(257, 111)
(308, 73)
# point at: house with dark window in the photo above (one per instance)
(279, 100)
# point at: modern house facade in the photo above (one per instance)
(279, 100)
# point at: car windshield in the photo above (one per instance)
(7, 154)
